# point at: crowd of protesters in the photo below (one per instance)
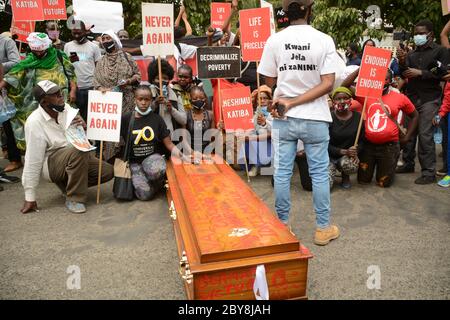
(308, 117)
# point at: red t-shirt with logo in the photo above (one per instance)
(379, 128)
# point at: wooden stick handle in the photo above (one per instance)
(361, 122)
(160, 77)
(100, 172)
(258, 83)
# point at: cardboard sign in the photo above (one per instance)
(282, 18)
(219, 62)
(219, 13)
(111, 16)
(157, 28)
(255, 30)
(372, 74)
(22, 29)
(27, 10)
(54, 9)
(265, 4)
(104, 116)
(237, 109)
(445, 7)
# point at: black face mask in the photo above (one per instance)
(81, 40)
(109, 46)
(198, 104)
(56, 108)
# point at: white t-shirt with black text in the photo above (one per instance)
(298, 56)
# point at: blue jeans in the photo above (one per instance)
(315, 136)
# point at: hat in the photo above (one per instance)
(44, 88)
(302, 3)
(38, 41)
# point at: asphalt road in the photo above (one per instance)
(128, 251)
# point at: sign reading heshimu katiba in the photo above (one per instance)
(219, 62)
(237, 109)
(372, 73)
(157, 29)
(104, 116)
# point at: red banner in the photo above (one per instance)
(55, 9)
(27, 10)
(219, 13)
(255, 30)
(372, 74)
(22, 29)
(237, 109)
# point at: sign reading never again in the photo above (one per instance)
(219, 62)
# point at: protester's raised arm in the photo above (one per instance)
(187, 24)
(179, 17)
(444, 36)
(234, 10)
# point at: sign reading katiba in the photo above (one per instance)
(157, 28)
(27, 10)
(372, 74)
(219, 62)
(104, 116)
(237, 109)
(22, 29)
(219, 13)
(255, 30)
(55, 9)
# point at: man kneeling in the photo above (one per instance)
(49, 152)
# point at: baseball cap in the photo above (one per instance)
(44, 88)
(304, 3)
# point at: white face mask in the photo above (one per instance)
(141, 112)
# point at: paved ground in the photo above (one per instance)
(127, 251)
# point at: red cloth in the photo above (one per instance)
(379, 128)
(445, 107)
(356, 106)
(224, 84)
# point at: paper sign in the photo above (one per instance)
(255, 30)
(372, 73)
(104, 116)
(27, 10)
(282, 18)
(104, 15)
(22, 29)
(157, 28)
(219, 62)
(54, 9)
(265, 4)
(219, 13)
(237, 109)
(445, 7)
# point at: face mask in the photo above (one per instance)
(348, 54)
(56, 108)
(420, 39)
(109, 46)
(264, 111)
(40, 56)
(142, 113)
(198, 104)
(81, 40)
(341, 107)
(53, 34)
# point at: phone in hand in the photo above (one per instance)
(281, 109)
(74, 57)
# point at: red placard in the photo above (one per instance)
(255, 30)
(219, 13)
(27, 10)
(22, 29)
(55, 9)
(237, 109)
(372, 74)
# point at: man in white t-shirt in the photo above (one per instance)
(84, 55)
(300, 60)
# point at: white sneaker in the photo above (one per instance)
(253, 171)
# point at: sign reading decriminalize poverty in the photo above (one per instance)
(219, 62)
(104, 116)
(255, 30)
(27, 10)
(237, 109)
(157, 28)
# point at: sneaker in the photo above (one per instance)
(253, 172)
(442, 172)
(404, 169)
(425, 180)
(445, 183)
(324, 236)
(75, 207)
(8, 179)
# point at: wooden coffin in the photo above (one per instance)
(224, 231)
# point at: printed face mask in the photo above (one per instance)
(198, 104)
(342, 106)
(109, 46)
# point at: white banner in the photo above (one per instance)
(157, 29)
(104, 116)
(265, 4)
(104, 15)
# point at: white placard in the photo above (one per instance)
(265, 4)
(104, 15)
(157, 29)
(104, 116)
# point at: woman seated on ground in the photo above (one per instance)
(258, 145)
(343, 154)
(148, 138)
(199, 121)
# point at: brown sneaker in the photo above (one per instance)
(324, 236)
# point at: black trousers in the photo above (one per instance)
(82, 101)
(13, 151)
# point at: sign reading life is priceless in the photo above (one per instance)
(255, 30)
(372, 74)
(104, 116)
(157, 28)
(27, 10)
(219, 62)
(237, 109)
(219, 13)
